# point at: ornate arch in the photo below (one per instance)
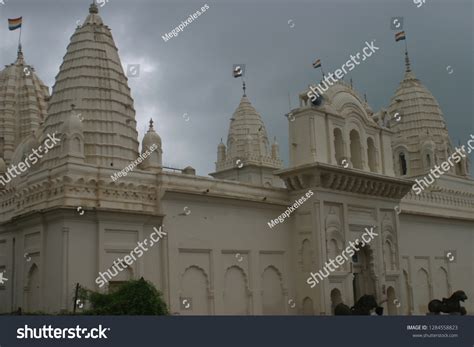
(356, 122)
(356, 140)
(278, 272)
(197, 267)
(241, 269)
(32, 267)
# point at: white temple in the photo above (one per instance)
(65, 220)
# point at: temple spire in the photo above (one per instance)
(243, 86)
(93, 9)
(407, 61)
(151, 125)
(19, 56)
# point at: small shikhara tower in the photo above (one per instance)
(248, 157)
(421, 138)
(23, 104)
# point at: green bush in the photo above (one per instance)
(136, 297)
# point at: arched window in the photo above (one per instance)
(371, 155)
(422, 292)
(195, 287)
(441, 287)
(272, 293)
(356, 154)
(338, 146)
(33, 295)
(428, 160)
(306, 255)
(336, 298)
(391, 299)
(403, 164)
(308, 309)
(236, 298)
(388, 256)
(333, 249)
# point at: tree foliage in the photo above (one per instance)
(135, 297)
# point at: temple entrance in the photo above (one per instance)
(363, 271)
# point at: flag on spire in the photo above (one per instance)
(14, 23)
(400, 36)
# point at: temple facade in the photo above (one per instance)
(64, 220)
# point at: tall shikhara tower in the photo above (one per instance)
(92, 82)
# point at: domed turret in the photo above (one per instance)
(275, 149)
(72, 136)
(24, 149)
(221, 150)
(151, 137)
(23, 104)
(151, 150)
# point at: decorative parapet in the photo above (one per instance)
(344, 179)
(231, 163)
(199, 186)
(79, 186)
(443, 196)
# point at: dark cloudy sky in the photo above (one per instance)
(191, 73)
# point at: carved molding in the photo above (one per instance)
(343, 179)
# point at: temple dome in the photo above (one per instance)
(151, 137)
(25, 148)
(154, 159)
(91, 77)
(341, 98)
(247, 133)
(415, 103)
(420, 132)
(23, 104)
(248, 156)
